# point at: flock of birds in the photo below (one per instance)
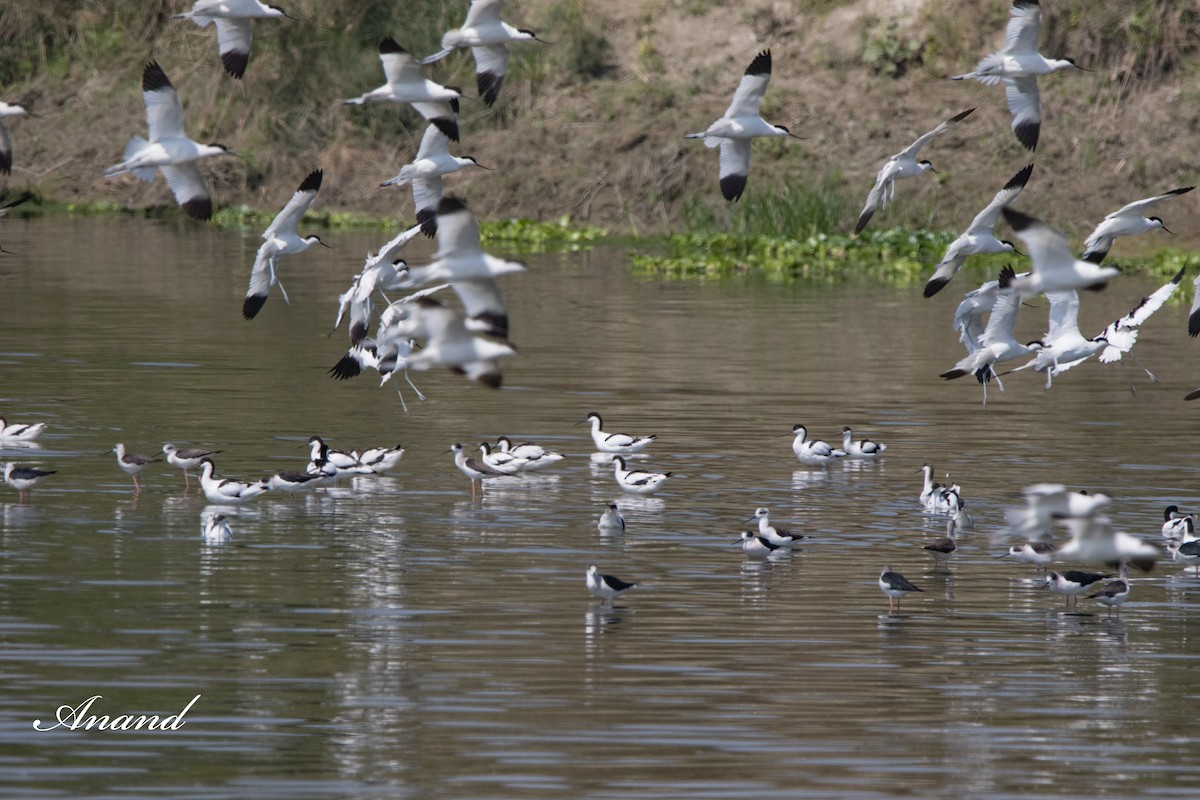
(419, 331)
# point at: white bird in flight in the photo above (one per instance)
(281, 239)
(902, 165)
(425, 172)
(406, 84)
(232, 18)
(979, 238)
(488, 37)
(1126, 221)
(1018, 64)
(741, 123)
(169, 148)
(1055, 268)
(1064, 346)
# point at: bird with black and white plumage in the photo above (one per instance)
(20, 432)
(381, 459)
(499, 460)
(997, 343)
(1122, 334)
(637, 481)
(433, 160)
(291, 481)
(741, 123)
(605, 587)
(6, 146)
(814, 452)
(1018, 65)
(758, 546)
(24, 478)
(168, 149)
(1178, 524)
(1113, 595)
(1185, 552)
(281, 239)
(132, 463)
(8, 205)
(780, 537)
(476, 470)
(488, 38)
(460, 256)
(896, 587)
(979, 238)
(345, 463)
(406, 84)
(228, 491)
(358, 302)
(946, 546)
(1063, 345)
(622, 443)
(902, 165)
(1072, 583)
(215, 529)
(234, 34)
(1128, 220)
(861, 448)
(1055, 267)
(611, 519)
(186, 459)
(1047, 502)
(1034, 552)
(536, 457)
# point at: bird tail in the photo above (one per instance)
(438, 56)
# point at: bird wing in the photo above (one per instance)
(458, 230)
(491, 62)
(1004, 315)
(986, 220)
(735, 166)
(434, 143)
(483, 12)
(1023, 27)
(1138, 207)
(485, 307)
(164, 115)
(399, 66)
(287, 219)
(1100, 241)
(1194, 312)
(1049, 250)
(190, 189)
(1142, 311)
(968, 317)
(1025, 103)
(261, 278)
(233, 43)
(427, 193)
(874, 197)
(912, 150)
(5, 150)
(1064, 314)
(753, 86)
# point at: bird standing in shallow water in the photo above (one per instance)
(186, 460)
(741, 123)
(132, 463)
(611, 519)
(1114, 594)
(23, 478)
(474, 469)
(895, 586)
(636, 481)
(622, 443)
(605, 587)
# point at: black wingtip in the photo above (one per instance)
(1027, 134)
(1179, 275)
(492, 380)
(1017, 220)
(427, 219)
(1021, 178)
(488, 84)
(761, 65)
(6, 163)
(199, 208)
(732, 187)
(235, 63)
(1192, 395)
(312, 182)
(1194, 324)
(450, 205)
(952, 374)
(1007, 276)
(962, 116)
(934, 286)
(358, 332)
(447, 126)
(153, 78)
(252, 305)
(389, 45)
(863, 219)
(1095, 256)
(346, 368)
(21, 199)
(492, 323)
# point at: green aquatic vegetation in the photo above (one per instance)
(530, 235)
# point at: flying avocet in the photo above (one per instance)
(234, 34)
(1055, 268)
(281, 239)
(433, 160)
(1126, 221)
(405, 84)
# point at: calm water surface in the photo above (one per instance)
(392, 637)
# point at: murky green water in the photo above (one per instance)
(391, 637)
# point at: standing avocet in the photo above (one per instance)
(433, 160)
(741, 123)
(234, 34)
(636, 481)
(406, 84)
(169, 149)
(17, 432)
(1126, 221)
(979, 238)
(488, 37)
(622, 443)
(902, 165)
(281, 239)
(1018, 64)
(8, 110)
(862, 448)
(228, 492)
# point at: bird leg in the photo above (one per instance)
(413, 385)
(1148, 373)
